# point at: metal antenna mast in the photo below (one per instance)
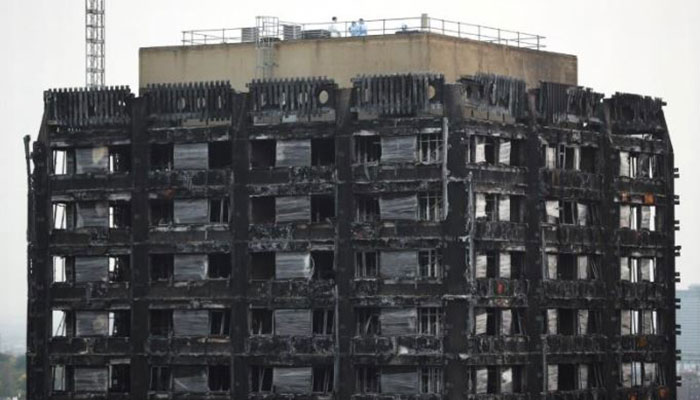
(95, 43)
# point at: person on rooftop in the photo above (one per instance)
(354, 29)
(333, 28)
(362, 28)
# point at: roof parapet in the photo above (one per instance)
(398, 95)
(203, 101)
(87, 107)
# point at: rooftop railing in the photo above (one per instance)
(376, 27)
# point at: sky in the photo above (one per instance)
(637, 46)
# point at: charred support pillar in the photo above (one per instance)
(39, 275)
(345, 324)
(239, 252)
(456, 254)
(669, 272)
(534, 323)
(139, 250)
(611, 276)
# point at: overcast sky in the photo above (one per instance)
(638, 46)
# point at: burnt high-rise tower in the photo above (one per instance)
(414, 214)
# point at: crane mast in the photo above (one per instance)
(95, 43)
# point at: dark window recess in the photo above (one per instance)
(218, 210)
(367, 321)
(121, 323)
(161, 212)
(367, 380)
(219, 154)
(491, 207)
(566, 267)
(493, 379)
(490, 150)
(219, 265)
(260, 321)
(161, 322)
(219, 378)
(161, 157)
(366, 264)
(569, 158)
(262, 266)
(119, 268)
(322, 151)
(588, 159)
(323, 322)
(516, 208)
(119, 214)
(119, 159)
(367, 149)
(161, 266)
(367, 208)
(120, 378)
(516, 153)
(492, 321)
(219, 322)
(262, 210)
(260, 379)
(595, 322)
(518, 322)
(491, 265)
(517, 264)
(323, 379)
(322, 208)
(567, 321)
(543, 322)
(323, 264)
(568, 212)
(262, 153)
(160, 379)
(518, 379)
(567, 377)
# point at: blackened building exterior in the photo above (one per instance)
(404, 237)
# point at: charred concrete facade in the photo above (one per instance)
(403, 238)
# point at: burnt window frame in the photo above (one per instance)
(219, 210)
(220, 323)
(267, 327)
(166, 214)
(367, 321)
(119, 159)
(219, 265)
(266, 257)
(162, 314)
(367, 379)
(367, 264)
(167, 259)
(220, 155)
(262, 153)
(323, 322)
(367, 208)
(161, 378)
(319, 157)
(328, 271)
(261, 378)
(322, 379)
(219, 378)
(161, 157)
(323, 201)
(367, 149)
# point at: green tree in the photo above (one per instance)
(12, 375)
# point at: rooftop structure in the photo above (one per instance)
(405, 235)
(458, 50)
